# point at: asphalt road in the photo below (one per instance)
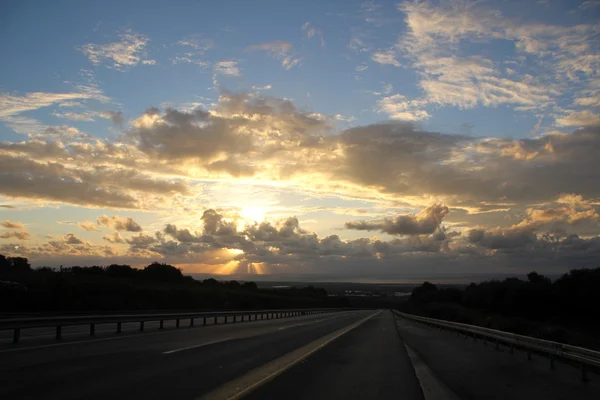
(369, 362)
(473, 370)
(345, 355)
(184, 363)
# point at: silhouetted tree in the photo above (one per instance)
(249, 286)
(14, 264)
(162, 272)
(426, 292)
(120, 270)
(234, 285)
(4, 263)
(534, 277)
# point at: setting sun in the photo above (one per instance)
(253, 213)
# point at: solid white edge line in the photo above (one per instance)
(222, 391)
(431, 386)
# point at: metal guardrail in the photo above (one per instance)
(565, 352)
(17, 324)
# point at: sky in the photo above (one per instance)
(334, 140)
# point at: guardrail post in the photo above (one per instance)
(162, 324)
(234, 319)
(191, 322)
(177, 323)
(215, 320)
(204, 321)
(92, 329)
(58, 332)
(225, 319)
(118, 327)
(16, 335)
(262, 316)
(141, 326)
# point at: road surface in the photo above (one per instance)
(340, 355)
(192, 362)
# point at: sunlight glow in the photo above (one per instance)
(253, 213)
(235, 252)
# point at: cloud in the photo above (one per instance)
(88, 226)
(25, 178)
(114, 238)
(564, 57)
(115, 116)
(141, 241)
(358, 45)
(399, 107)
(503, 238)
(279, 50)
(424, 223)
(239, 126)
(386, 57)
(88, 116)
(84, 117)
(92, 174)
(579, 119)
(70, 238)
(11, 105)
(230, 68)
(197, 43)
(265, 87)
(12, 225)
(121, 55)
(118, 223)
(271, 140)
(284, 247)
(311, 32)
(20, 235)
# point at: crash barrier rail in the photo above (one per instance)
(18, 324)
(583, 357)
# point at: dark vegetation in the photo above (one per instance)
(566, 310)
(121, 288)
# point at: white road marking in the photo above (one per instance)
(239, 387)
(431, 386)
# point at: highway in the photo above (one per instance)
(186, 363)
(346, 355)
